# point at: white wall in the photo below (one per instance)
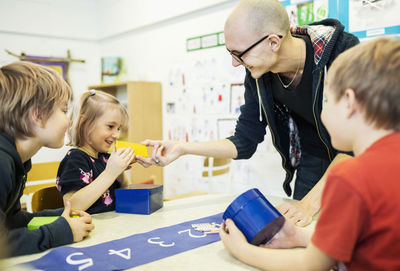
(72, 19)
(50, 28)
(151, 37)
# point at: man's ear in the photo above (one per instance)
(352, 106)
(274, 42)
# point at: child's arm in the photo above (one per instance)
(310, 258)
(301, 212)
(83, 198)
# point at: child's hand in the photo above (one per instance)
(233, 238)
(119, 161)
(288, 237)
(80, 226)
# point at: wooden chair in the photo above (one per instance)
(42, 175)
(47, 198)
(213, 168)
(216, 174)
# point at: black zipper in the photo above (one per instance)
(16, 198)
(315, 118)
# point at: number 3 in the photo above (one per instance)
(161, 243)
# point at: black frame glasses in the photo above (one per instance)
(238, 57)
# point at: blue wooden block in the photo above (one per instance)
(139, 198)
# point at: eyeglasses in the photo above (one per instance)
(238, 57)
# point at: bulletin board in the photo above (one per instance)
(363, 18)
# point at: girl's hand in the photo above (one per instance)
(119, 161)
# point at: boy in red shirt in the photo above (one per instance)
(360, 210)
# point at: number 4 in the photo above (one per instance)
(120, 253)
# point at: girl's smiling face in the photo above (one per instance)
(105, 131)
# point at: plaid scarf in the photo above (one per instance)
(320, 36)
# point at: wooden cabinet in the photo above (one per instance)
(143, 101)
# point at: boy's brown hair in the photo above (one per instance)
(372, 70)
(92, 105)
(26, 87)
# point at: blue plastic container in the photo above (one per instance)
(139, 199)
(255, 216)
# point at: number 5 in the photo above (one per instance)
(85, 262)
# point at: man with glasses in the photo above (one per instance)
(285, 72)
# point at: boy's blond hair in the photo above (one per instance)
(372, 70)
(92, 105)
(26, 87)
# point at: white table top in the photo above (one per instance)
(112, 225)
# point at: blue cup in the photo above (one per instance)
(255, 217)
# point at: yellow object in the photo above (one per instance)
(140, 149)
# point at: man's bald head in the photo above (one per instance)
(260, 16)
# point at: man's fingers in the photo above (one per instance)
(154, 153)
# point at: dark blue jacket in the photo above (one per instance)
(19, 239)
(329, 40)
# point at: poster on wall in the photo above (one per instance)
(306, 12)
(374, 17)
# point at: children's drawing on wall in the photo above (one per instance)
(177, 129)
(321, 9)
(373, 14)
(305, 13)
(292, 11)
(170, 109)
(112, 69)
(236, 98)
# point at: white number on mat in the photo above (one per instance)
(193, 236)
(85, 263)
(160, 243)
(121, 253)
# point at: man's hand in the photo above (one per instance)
(164, 153)
(299, 212)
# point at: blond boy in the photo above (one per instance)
(33, 106)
